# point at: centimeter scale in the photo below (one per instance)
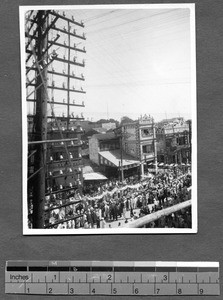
(112, 278)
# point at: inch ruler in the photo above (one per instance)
(112, 278)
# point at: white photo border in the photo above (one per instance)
(194, 229)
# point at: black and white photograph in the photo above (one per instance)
(109, 119)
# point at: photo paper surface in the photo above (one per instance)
(109, 119)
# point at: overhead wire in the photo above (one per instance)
(132, 21)
(98, 16)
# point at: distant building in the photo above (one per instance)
(99, 130)
(131, 145)
(104, 150)
(102, 142)
(139, 140)
(88, 125)
(108, 126)
(174, 141)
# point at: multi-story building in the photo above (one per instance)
(174, 142)
(139, 140)
(131, 145)
(102, 142)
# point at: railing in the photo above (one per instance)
(157, 215)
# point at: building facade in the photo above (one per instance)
(139, 140)
(102, 142)
(174, 142)
(128, 149)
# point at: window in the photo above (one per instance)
(181, 140)
(148, 149)
(146, 132)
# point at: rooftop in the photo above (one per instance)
(105, 136)
(114, 156)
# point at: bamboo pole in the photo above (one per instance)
(157, 215)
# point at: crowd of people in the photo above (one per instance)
(104, 203)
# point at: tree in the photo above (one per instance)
(125, 120)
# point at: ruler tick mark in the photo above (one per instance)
(131, 281)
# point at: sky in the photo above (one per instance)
(138, 62)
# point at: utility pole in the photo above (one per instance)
(120, 135)
(40, 126)
(155, 147)
(42, 149)
(121, 142)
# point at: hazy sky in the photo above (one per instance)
(137, 61)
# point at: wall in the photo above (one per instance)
(93, 150)
(130, 139)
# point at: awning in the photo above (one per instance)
(94, 176)
(112, 158)
(87, 169)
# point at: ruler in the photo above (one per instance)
(112, 278)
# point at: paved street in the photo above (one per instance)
(115, 224)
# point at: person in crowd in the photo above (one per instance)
(110, 201)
